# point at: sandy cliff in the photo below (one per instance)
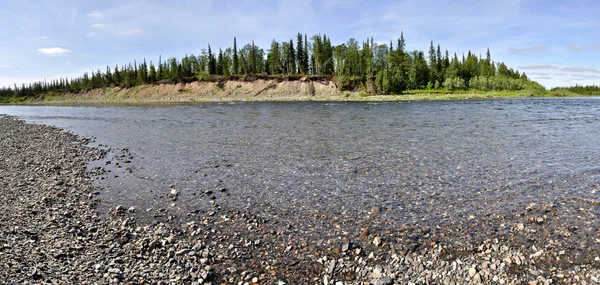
(230, 90)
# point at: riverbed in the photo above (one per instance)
(485, 167)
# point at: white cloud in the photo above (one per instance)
(95, 14)
(584, 77)
(53, 51)
(579, 69)
(91, 35)
(129, 32)
(101, 26)
(537, 67)
(43, 38)
(576, 47)
(536, 48)
(5, 66)
(581, 48)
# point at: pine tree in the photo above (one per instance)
(252, 59)
(108, 77)
(305, 54)
(212, 65)
(159, 74)
(432, 63)
(300, 54)
(152, 75)
(117, 76)
(236, 66)
(292, 58)
(220, 62)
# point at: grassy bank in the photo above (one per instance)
(260, 90)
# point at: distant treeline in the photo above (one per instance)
(589, 90)
(366, 66)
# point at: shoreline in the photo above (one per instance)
(260, 90)
(55, 232)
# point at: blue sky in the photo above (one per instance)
(556, 43)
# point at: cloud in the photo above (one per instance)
(129, 32)
(538, 67)
(53, 51)
(581, 48)
(43, 38)
(91, 35)
(576, 47)
(584, 77)
(579, 69)
(5, 66)
(95, 14)
(537, 74)
(100, 26)
(543, 78)
(536, 48)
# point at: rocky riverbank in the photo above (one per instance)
(54, 228)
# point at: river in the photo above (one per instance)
(411, 163)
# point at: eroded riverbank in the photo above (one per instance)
(54, 231)
(259, 90)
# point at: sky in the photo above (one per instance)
(556, 43)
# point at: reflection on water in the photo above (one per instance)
(415, 160)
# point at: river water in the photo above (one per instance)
(412, 163)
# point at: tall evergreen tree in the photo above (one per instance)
(212, 65)
(220, 62)
(300, 54)
(236, 65)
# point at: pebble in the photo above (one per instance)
(377, 241)
(472, 272)
(66, 241)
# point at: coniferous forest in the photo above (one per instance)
(366, 66)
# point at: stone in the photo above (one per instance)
(383, 281)
(377, 241)
(345, 247)
(472, 272)
(182, 252)
(114, 270)
(331, 267)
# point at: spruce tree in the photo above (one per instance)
(236, 66)
(212, 65)
(292, 58)
(300, 54)
(220, 62)
(152, 75)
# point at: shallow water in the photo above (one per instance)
(417, 162)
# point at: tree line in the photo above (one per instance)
(588, 90)
(372, 67)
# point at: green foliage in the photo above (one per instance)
(589, 90)
(374, 68)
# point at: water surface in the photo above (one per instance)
(415, 162)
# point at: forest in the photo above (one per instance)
(367, 66)
(590, 90)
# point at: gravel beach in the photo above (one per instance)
(55, 229)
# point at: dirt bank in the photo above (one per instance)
(202, 91)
